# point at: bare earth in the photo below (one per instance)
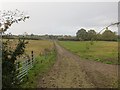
(70, 71)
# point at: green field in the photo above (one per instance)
(103, 51)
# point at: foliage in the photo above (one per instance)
(10, 54)
(8, 59)
(108, 35)
(7, 18)
(81, 34)
(91, 35)
(99, 37)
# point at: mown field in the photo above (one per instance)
(103, 51)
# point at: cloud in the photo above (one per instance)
(63, 17)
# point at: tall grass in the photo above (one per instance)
(38, 46)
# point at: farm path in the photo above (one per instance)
(70, 71)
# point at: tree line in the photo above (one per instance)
(107, 35)
(81, 35)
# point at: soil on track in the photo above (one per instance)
(70, 71)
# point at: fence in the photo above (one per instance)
(22, 67)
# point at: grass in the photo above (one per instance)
(43, 64)
(102, 51)
(38, 46)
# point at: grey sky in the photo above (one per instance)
(63, 17)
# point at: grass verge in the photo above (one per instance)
(42, 66)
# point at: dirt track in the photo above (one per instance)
(70, 71)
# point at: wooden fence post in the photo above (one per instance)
(32, 56)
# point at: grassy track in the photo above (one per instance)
(102, 51)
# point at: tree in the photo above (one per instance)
(10, 17)
(108, 35)
(9, 55)
(91, 35)
(32, 35)
(98, 37)
(81, 34)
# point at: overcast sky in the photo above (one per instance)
(63, 17)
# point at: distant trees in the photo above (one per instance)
(67, 38)
(32, 34)
(99, 37)
(107, 35)
(91, 34)
(81, 34)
